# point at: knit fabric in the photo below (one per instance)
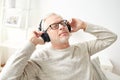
(72, 63)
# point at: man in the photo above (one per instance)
(61, 61)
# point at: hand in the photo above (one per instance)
(77, 24)
(35, 38)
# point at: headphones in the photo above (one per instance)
(45, 35)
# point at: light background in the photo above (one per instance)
(101, 12)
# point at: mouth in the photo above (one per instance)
(63, 34)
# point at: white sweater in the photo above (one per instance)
(72, 63)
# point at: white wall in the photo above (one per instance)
(10, 36)
(102, 12)
(0, 18)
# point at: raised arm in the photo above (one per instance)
(104, 37)
(18, 66)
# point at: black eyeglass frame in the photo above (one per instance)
(55, 26)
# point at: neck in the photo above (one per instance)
(60, 45)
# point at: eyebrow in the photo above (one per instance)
(57, 22)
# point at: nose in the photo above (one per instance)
(61, 27)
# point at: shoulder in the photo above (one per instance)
(40, 52)
(80, 44)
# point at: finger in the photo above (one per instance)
(40, 41)
(70, 21)
(37, 33)
(72, 31)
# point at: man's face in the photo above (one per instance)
(59, 34)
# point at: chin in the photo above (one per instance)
(64, 39)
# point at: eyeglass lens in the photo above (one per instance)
(56, 25)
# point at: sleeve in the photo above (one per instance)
(104, 38)
(18, 67)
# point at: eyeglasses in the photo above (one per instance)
(55, 26)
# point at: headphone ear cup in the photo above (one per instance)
(45, 37)
(69, 27)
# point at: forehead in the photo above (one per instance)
(53, 18)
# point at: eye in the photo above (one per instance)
(64, 23)
(55, 26)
